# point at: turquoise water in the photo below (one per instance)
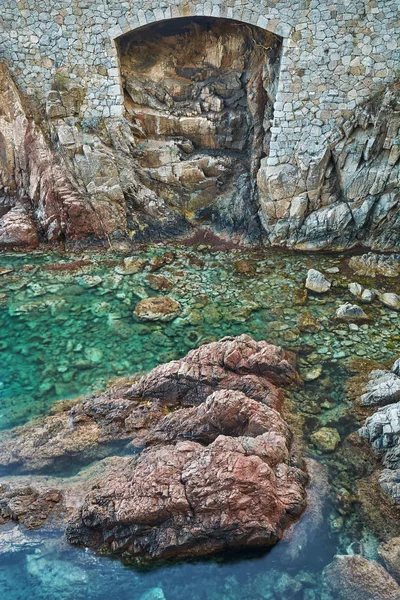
(66, 332)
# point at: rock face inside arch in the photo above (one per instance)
(200, 95)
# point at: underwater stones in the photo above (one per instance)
(317, 282)
(130, 266)
(373, 265)
(313, 374)
(356, 578)
(153, 594)
(326, 439)
(89, 281)
(93, 354)
(363, 294)
(390, 300)
(300, 297)
(158, 308)
(160, 283)
(307, 322)
(356, 289)
(351, 313)
(390, 554)
(160, 261)
(245, 267)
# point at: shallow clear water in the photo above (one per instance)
(60, 338)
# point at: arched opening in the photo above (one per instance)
(200, 94)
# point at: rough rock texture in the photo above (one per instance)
(211, 138)
(124, 412)
(342, 192)
(316, 282)
(196, 498)
(219, 468)
(390, 554)
(352, 313)
(200, 96)
(382, 429)
(27, 505)
(373, 265)
(38, 198)
(356, 578)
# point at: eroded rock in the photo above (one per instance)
(356, 578)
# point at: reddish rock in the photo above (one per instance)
(18, 229)
(27, 505)
(234, 489)
(240, 363)
(219, 469)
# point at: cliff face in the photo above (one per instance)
(192, 154)
(343, 192)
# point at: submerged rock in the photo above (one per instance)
(356, 578)
(130, 266)
(326, 439)
(317, 282)
(390, 554)
(159, 308)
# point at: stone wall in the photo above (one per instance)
(336, 56)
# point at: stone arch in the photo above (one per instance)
(256, 17)
(200, 92)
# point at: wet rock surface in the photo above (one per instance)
(220, 472)
(159, 308)
(354, 577)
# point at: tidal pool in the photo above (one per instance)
(68, 331)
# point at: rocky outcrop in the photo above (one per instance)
(382, 429)
(126, 412)
(373, 265)
(39, 198)
(355, 577)
(343, 190)
(200, 96)
(219, 468)
(231, 487)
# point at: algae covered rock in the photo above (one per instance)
(390, 554)
(326, 439)
(158, 308)
(356, 578)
